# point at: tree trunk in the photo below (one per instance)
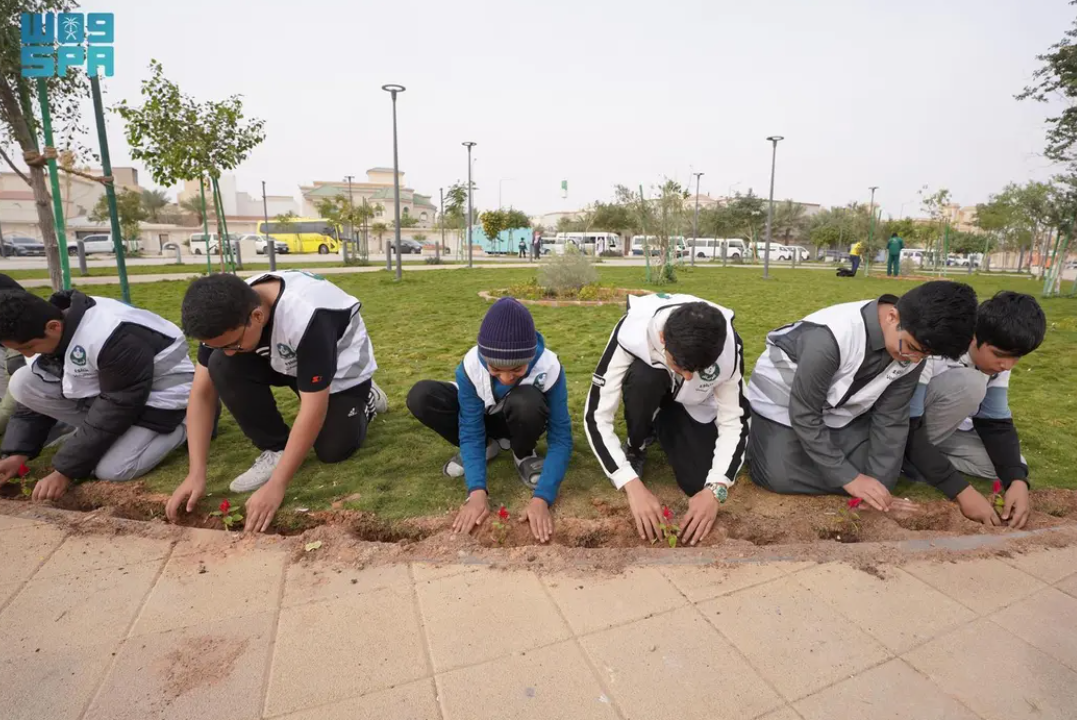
(12, 108)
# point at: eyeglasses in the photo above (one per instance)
(912, 349)
(236, 346)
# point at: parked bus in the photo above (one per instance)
(304, 235)
(708, 248)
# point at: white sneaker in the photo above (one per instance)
(259, 474)
(378, 404)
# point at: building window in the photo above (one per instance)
(379, 209)
(422, 216)
(406, 212)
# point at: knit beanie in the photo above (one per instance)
(507, 337)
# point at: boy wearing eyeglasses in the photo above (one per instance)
(830, 394)
(286, 329)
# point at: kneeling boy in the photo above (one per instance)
(509, 390)
(960, 418)
(286, 329)
(830, 394)
(679, 365)
(119, 375)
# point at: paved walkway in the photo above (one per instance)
(125, 627)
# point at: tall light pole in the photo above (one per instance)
(270, 249)
(774, 139)
(871, 229)
(695, 223)
(393, 90)
(469, 145)
(351, 214)
(441, 221)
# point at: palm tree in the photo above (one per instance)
(379, 229)
(193, 205)
(153, 201)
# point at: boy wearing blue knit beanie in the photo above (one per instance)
(509, 390)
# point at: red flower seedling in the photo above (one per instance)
(854, 503)
(997, 498)
(666, 512)
(669, 530)
(225, 507)
(23, 471)
(227, 515)
(501, 525)
(503, 513)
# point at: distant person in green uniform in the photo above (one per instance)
(893, 255)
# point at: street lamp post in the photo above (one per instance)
(351, 214)
(871, 230)
(393, 90)
(695, 223)
(469, 145)
(774, 139)
(437, 253)
(270, 250)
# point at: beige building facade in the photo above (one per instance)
(378, 192)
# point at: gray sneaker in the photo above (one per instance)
(530, 469)
(259, 473)
(377, 403)
(455, 467)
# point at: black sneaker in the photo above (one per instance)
(636, 458)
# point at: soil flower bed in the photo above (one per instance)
(531, 293)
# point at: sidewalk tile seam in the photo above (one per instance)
(41, 564)
(426, 640)
(271, 650)
(100, 685)
(606, 690)
(941, 689)
(1034, 582)
(991, 618)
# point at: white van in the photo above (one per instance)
(197, 243)
(711, 248)
(778, 252)
(591, 243)
(652, 243)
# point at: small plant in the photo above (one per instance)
(227, 515)
(570, 272)
(433, 260)
(501, 525)
(998, 499)
(849, 521)
(669, 530)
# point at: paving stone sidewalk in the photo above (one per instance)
(124, 627)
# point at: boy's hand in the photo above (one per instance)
(870, 490)
(538, 514)
(262, 506)
(9, 466)
(472, 512)
(976, 507)
(1017, 508)
(646, 510)
(702, 512)
(186, 496)
(51, 487)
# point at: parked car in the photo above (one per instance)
(955, 261)
(261, 243)
(802, 253)
(20, 245)
(408, 247)
(92, 244)
(197, 243)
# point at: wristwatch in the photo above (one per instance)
(721, 492)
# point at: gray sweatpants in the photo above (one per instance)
(779, 463)
(134, 454)
(950, 398)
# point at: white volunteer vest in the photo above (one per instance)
(173, 371)
(772, 378)
(638, 335)
(543, 375)
(304, 294)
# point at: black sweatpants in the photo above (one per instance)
(521, 416)
(651, 412)
(244, 382)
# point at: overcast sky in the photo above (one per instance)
(597, 92)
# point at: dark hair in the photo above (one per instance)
(1013, 322)
(893, 234)
(23, 316)
(941, 316)
(216, 304)
(694, 335)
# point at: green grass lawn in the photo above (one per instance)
(422, 327)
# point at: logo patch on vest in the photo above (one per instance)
(309, 274)
(78, 355)
(664, 296)
(540, 381)
(285, 352)
(709, 374)
(598, 381)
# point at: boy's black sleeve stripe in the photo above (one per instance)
(593, 397)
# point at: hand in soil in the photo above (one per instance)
(646, 510)
(976, 507)
(51, 487)
(187, 494)
(538, 515)
(1017, 508)
(262, 506)
(698, 521)
(870, 490)
(472, 513)
(9, 466)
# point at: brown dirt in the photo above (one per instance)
(604, 296)
(200, 661)
(755, 524)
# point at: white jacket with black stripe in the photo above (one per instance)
(712, 395)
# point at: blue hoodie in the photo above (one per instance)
(473, 430)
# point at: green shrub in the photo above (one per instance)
(567, 273)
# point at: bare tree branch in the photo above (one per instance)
(12, 165)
